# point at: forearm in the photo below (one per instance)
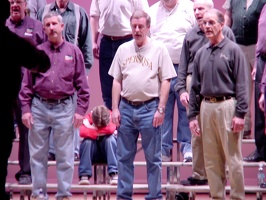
(116, 90)
(164, 93)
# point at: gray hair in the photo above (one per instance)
(209, 3)
(52, 14)
(139, 14)
(218, 13)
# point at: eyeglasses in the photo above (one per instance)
(210, 23)
(17, 2)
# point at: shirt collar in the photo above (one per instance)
(220, 45)
(59, 48)
(10, 21)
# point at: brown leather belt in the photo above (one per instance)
(216, 99)
(114, 38)
(138, 103)
(54, 101)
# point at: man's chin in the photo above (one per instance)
(16, 16)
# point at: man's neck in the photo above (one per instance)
(170, 5)
(146, 41)
(217, 40)
(17, 20)
(62, 5)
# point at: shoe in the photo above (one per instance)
(182, 196)
(253, 157)
(192, 181)
(263, 185)
(187, 157)
(5, 196)
(247, 135)
(24, 179)
(84, 180)
(113, 178)
(76, 157)
(166, 158)
(51, 156)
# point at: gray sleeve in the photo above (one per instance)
(194, 96)
(34, 6)
(241, 77)
(180, 86)
(227, 31)
(84, 39)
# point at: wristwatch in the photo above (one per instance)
(161, 110)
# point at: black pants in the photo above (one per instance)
(6, 141)
(23, 151)
(259, 124)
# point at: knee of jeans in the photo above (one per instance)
(85, 142)
(111, 140)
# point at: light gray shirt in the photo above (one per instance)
(34, 6)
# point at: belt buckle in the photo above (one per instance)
(213, 100)
(112, 38)
(135, 103)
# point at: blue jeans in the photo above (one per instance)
(183, 131)
(135, 120)
(59, 119)
(76, 142)
(108, 49)
(102, 150)
(76, 135)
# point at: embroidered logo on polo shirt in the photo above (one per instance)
(223, 56)
(28, 32)
(68, 58)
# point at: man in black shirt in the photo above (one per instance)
(16, 52)
(218, 102)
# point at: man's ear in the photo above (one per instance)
(222, 25)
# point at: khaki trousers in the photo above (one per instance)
(222, 147)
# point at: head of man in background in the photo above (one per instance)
(200, 7)
(18, 10)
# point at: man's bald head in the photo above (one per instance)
(200, 7)
(208, 3)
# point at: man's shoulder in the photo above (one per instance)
(195, 29)
(34, 21)
(72, 46)
(43, 45)
(126, 45)
(157, 43)
(227, 28)
(77, 6)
